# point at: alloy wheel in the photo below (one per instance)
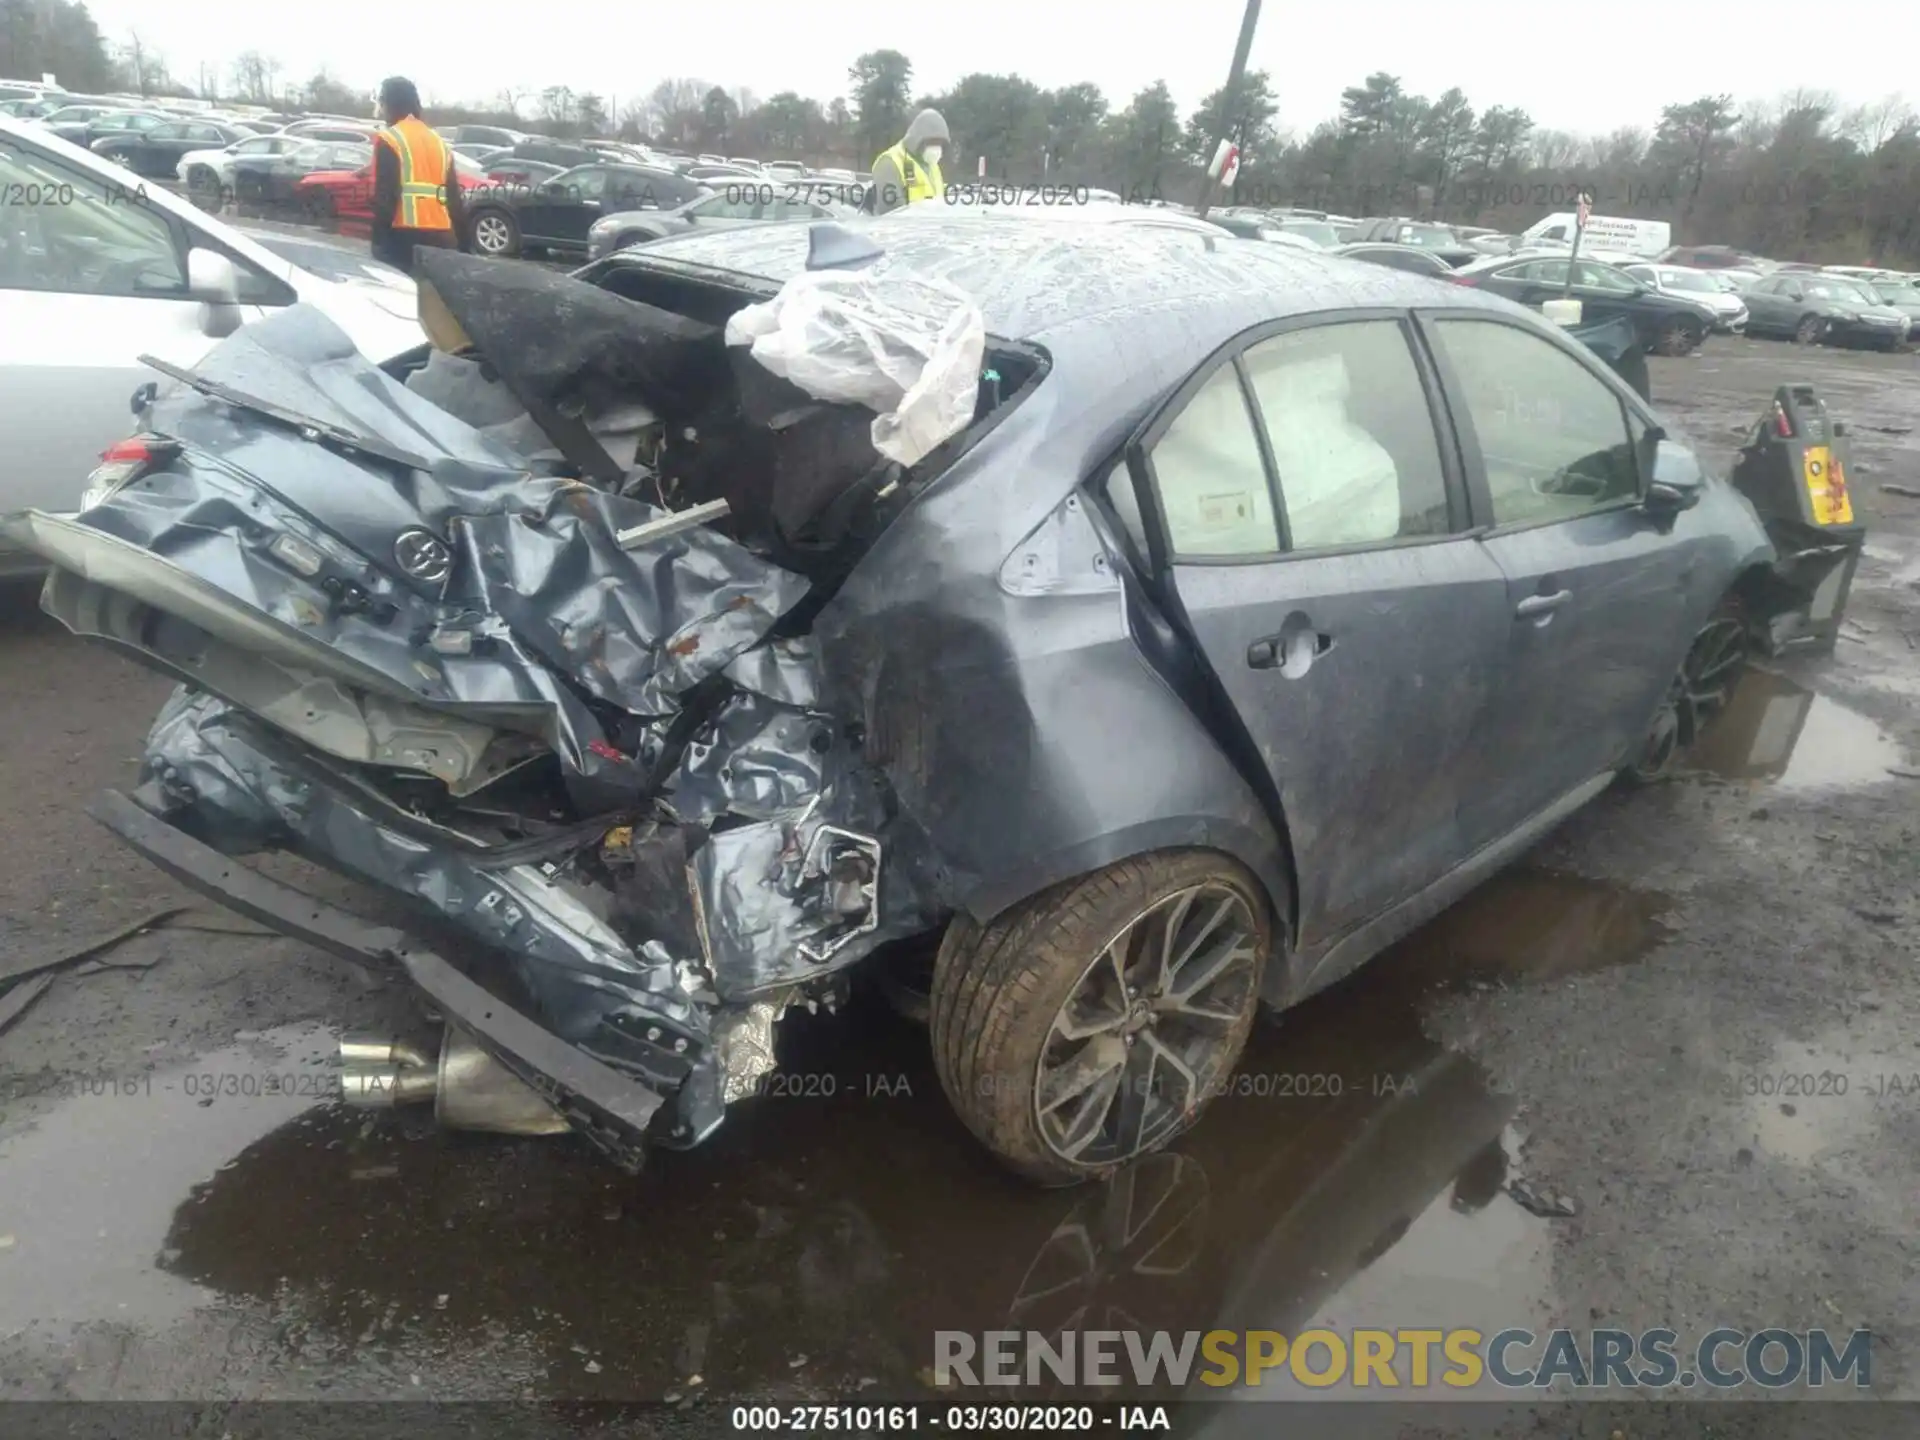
(1810, 330)
(491, 236)
(1699, 692)
(1148, 1029)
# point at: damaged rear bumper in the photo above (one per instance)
(611, 1109)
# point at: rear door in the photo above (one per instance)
(1597, 595)
(565, 209)
(1304, 510)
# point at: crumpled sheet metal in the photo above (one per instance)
(240, 800)
(757, 758)
(903, 345)
(636, 628)
(548, 586)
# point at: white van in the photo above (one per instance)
(97, 268)
(1647, 238)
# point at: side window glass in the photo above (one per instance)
(72, 232)
(1552, 434)
(1351, 434)
(1210, 478)
(587, 185)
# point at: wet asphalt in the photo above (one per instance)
(186, 1212)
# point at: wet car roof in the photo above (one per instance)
(1038, 278)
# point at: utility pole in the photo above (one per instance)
(1234, 77)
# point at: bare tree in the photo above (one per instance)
(509, 100)
(254, 75)
(1872, 125)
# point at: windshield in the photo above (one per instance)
(1888, 292)
(1315, 230)
(1431, 236)
(1694, 280)
(1830, 289)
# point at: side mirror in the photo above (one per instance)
(1676, 481)
(212, 280)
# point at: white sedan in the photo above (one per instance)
(97, 269)
(209, 173)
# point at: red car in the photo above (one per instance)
(343, 199)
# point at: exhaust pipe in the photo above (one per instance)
(470, 1090)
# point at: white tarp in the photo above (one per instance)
(905, 346)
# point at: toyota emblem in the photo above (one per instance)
(422, 556)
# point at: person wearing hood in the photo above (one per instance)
(910, 170)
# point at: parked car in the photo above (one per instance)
(209, 173)
(497, 136)
(556, 214)
(505, 170)
(88, 285)
(1398, 257)
(551, 152)
(338, 196)
(30, 109)
(1667, 324)
(84, 124)
(269, 184)
(786, 169)
(478, 153)
(342, 132)
(1706, 257)
(1699, 286)
(155, 153)
(711, 174)
(1813, 308)
(1344, 740)
(1438, 238)
(1319, 232)
(751, 205)
(1901, 295)
(1734, 277)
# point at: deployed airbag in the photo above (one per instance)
(905, 346)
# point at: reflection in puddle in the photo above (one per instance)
(1777, 731)
(99, 1176)
(1354, 1174)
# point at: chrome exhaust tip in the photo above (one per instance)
(387, 1087)
(379, 1052)
(470, 1089)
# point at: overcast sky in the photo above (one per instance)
(1501, 52)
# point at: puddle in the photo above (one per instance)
(1354, 1173)
(92, 1186)
(1778, 732)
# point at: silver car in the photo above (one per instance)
(1728, 309)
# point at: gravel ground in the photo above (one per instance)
(185, 1214)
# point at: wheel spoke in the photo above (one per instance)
(1165, 1055)
(1212, 923)
(1096, 1061)
(1174, 920)
(1185, 998)
(1090, 1121)
(1136, 1095)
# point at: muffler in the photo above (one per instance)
(470, 1090)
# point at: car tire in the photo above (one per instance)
(205, 191)
(1678, 337)
(1715, 659)
(1026, 1006)
(495, 235)
(1810, 331)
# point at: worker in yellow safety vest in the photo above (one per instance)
(416, 191)
(910, 170)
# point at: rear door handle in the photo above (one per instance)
(1541, 604)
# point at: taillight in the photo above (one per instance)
(123, 462)
(1464, 279)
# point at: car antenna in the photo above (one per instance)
(834, 247)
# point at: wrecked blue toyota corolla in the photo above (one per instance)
(1166, 625)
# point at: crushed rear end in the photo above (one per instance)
(521, 638)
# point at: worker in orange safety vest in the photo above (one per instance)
(416, 192)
